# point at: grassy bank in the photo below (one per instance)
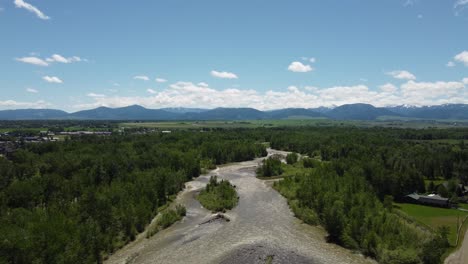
(218, 196)
(435, 217)
(167, 218)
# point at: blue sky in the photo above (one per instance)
(75, 55)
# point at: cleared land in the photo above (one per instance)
(290, 123)
(434, 217)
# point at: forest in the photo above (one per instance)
(79, 200)
(350, 179)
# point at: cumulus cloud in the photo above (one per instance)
(151, 91)
(33, 60)
(161, 80)
(432, 90)
(224, 75)
(12, 104)
(141, 77)
(52, 79)
(297, 66)
(189, 94)
(388, 88)
(31, 90)
(61, 59)
(462, 57)
(402, 75)
(31, 8)
(56, 58)
(203, 84)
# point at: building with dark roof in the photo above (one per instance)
(431, 200)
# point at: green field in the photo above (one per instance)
(228, 124)
(434, 217)
(294, 122)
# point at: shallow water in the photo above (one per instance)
(261, 228)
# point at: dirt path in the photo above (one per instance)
(461, 255)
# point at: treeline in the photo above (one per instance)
(79, 200)
(350, 192)
(391, 164)
(356, 219)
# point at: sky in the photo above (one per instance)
(265, 54)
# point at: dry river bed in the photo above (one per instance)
(262, 229)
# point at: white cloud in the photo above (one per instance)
(61, 59)
(12, 104)
(461, 3)
(31, 8)
(430, 90)
(141, 77)
(203, 84)
(224, 75)
(388, 88)
(95, 95)
(297, 66)
(151, 91)
(188, 94)
(161, 80)
(450, 64)
(45, 62)
(462, 57)
(402, 75)
(33, 61)
(31, 90)
(52, 79)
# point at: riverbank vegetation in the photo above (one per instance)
(350, 192)
(79, 200)
(218, 196)
(270, 167)
(166, 219)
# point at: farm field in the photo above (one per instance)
(294, 122)
(434, 217)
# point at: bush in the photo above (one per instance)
(310, 163)
(292, 158)
(270, 167)
(218, 196)
(167, 218)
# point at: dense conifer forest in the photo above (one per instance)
(78, 200)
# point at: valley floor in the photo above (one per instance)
(262, 229)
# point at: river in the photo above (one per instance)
(262, 229)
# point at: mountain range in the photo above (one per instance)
(344, 112)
